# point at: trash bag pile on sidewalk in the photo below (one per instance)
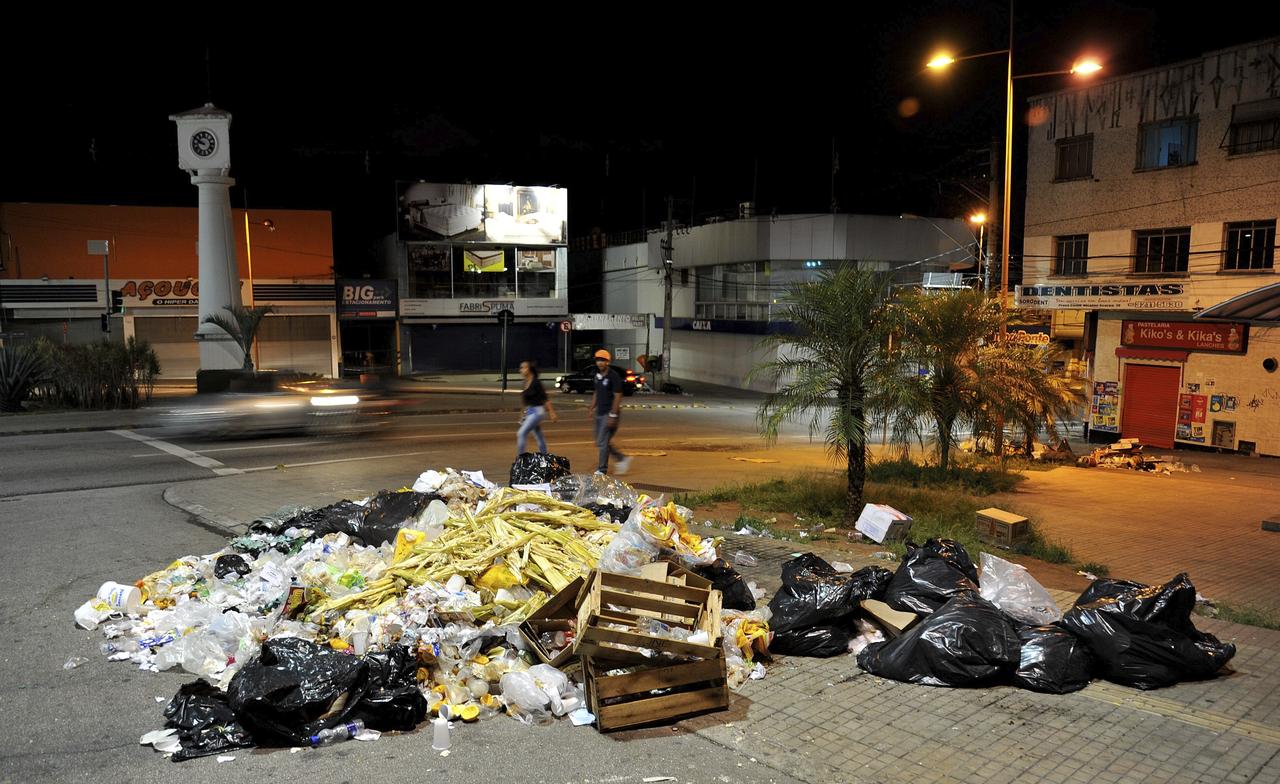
(371, 616)
(1005, 628)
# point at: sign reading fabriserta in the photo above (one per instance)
(1148, 295)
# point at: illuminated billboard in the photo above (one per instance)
(512, 214)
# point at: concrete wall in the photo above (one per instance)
(633, 286)
(719, 358)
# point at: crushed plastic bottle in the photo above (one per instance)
(884, 555)
(337, 734)
(743, 558)
(73, 662)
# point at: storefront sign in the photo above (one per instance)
(610, 320)
(1226, 338)
(366, 299)
(161, 292)
(483, 308)
(1150, 295)
(1104, 407)
(1029, 336)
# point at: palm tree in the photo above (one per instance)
(242, 325)
(968, 376)
(828, 367)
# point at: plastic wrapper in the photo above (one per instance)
(967, 642)
(1143, 635)
(813, 593)
(724, 578)
(930, 575)
(537, 468)
(1053, 660)
(296, 688)
(205, 723)
(627, 552)
(1011, 587)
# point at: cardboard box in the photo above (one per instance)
(615, 608)
(1002, 528)
(894, 622)
(559, 614)
(881, 523)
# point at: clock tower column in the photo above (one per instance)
(204, 151)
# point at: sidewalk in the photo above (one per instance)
(824, 720)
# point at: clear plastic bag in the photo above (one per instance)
(1011, 587)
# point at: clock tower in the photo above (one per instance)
(204, 152)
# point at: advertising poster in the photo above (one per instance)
(1104, 408)
(484, 261)
(1191, 417)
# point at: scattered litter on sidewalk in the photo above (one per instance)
(73, 662)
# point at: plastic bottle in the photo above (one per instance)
(337, 734)
(742, 558)
(119, 646)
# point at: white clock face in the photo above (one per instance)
(204, 143)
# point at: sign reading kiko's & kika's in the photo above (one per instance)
(1226, 338)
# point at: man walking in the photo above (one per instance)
(606, 402)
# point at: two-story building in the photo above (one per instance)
(1152, 196)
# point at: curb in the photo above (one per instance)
(55, 430)
(206, 516)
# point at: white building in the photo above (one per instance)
(1151, 196)
(730, 277)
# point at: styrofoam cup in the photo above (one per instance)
(122, 598)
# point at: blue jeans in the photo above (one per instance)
(533, 416)
(604, 438)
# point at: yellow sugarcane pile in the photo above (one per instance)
(515, 539)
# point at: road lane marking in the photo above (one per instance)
(177, 451)
(232, 449)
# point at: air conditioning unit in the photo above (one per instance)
(746, 209)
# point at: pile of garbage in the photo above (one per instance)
(369, 616)
(938, 621)
(1128, 453)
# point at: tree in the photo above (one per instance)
(967, 376)
(21, 370)
(827, 369)
(242, 325)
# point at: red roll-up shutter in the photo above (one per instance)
(1150, 408)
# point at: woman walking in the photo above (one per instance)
(537, 407)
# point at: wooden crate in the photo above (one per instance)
(559, 614)
(677, 598)
(1002, 528)
(621, 701)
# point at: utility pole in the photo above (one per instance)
(667, 252)
(994, 204)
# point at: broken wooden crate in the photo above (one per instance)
(559, 614)
(655, 693)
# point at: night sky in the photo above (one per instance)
(623, 106)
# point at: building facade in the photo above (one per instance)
(51, 287)
(1152, 196)
(729, 280)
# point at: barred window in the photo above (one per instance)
(1075, 158)
(1162, 250)
(1251, 245)
(1255, 127)
(1071, 255)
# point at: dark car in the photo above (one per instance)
(584, 380)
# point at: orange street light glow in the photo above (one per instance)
(940, 61)
(1086, 67)
(978, 217)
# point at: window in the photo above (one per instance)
(1071, 256)
(430, 271)
(1075, 158)
(1251, 245)
(1168, 143)
(1255, 127)
(1162, 251)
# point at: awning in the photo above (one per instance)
(1164, 354)
(1260, 306)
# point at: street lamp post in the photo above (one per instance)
(269, 225)
(980, 219)
(1081, 68)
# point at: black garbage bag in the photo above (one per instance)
(388, 512)
(817, 641)
(967, 642)
(930, 575)
(1053, 660)
(813, 593)
(615, 513)
(725, 579)
(1143, 635)
(295, 688)
(342, 517)
(393, 701)
(231, 564)
(536, 468)
(205, 722)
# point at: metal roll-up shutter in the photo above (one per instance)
(296, 343)
(172, 338)
(1150, 408)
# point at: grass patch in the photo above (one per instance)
(974, 479)
(1096, 569)
(1245, 614)
(943, 510)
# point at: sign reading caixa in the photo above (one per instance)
(360, 299)
(1151, 295)
(1225, 338)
